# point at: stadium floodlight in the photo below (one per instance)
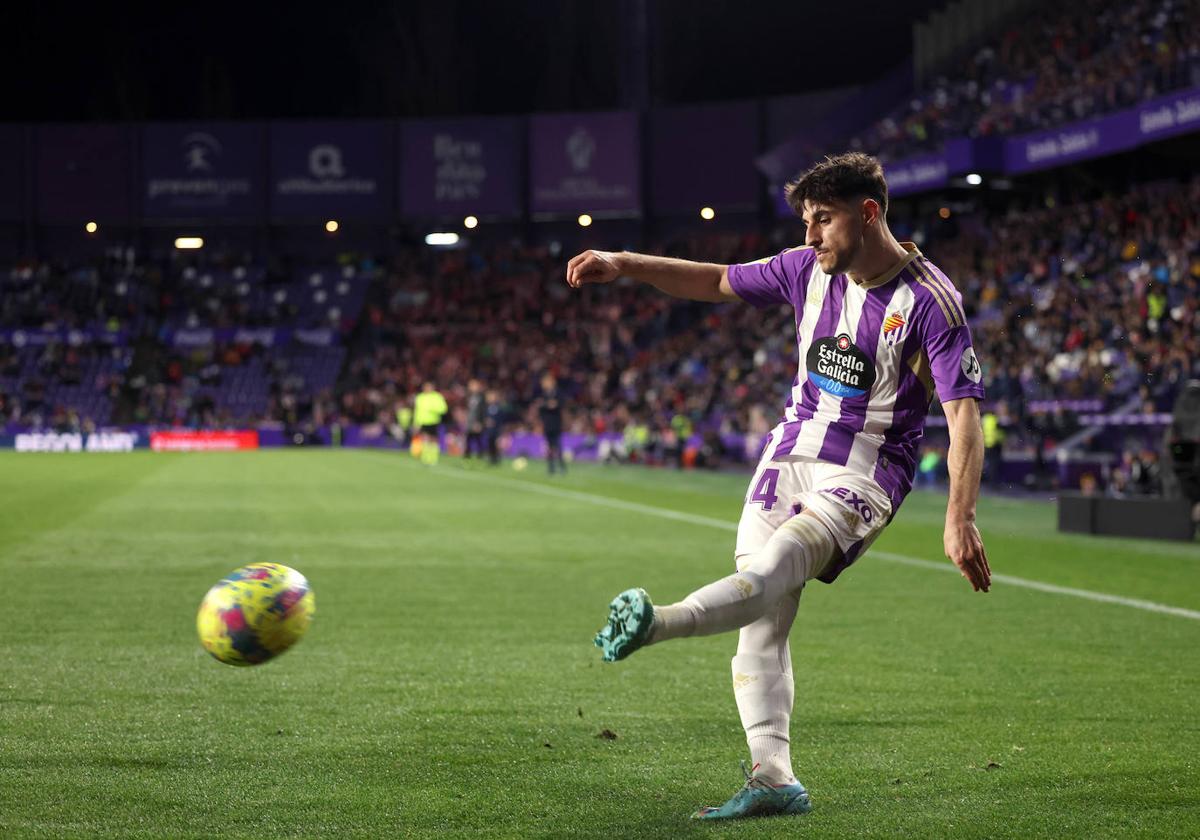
(91, 227)
(331, 226)
(189, 243)
(450, 238)
(974, 179)
(584, 220)
(707, 214)
(470, 223)
(944, 212)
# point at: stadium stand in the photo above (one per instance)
(1058, 64)
(1090, 306)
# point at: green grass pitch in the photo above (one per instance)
(448, 686)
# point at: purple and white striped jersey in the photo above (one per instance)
(871, 357)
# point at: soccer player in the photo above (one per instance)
(879, 329)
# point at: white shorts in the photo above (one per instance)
(852, 506)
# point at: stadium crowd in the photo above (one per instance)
(1056, 64)
(1095, 301)
(1092, 303)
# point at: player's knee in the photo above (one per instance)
(816, 541)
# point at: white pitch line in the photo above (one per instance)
(1087, 594)
(600, 501)
(725, 525)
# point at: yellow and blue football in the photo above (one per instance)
(255, 613)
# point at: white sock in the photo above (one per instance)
(796, 552)
(674, 621)
(764, 697)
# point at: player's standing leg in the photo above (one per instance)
(763, 686)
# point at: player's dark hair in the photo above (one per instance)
(839, 178)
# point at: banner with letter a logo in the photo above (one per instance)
(331, 170)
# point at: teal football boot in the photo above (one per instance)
(760, 799)
(630, 616)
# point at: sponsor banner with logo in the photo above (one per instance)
(317, 337)
(83, 173)
(199, 441)
(61, 335)
(263, 336)
(1165, 116)
(12, 169)
(1069, 143)
(203, 171)
(585, 163)
(461, 167)
(917, 174)
(331, 170)
(703, 156)
(838, 367)
(1158, 119)
(101, 441)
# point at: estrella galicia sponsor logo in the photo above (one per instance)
(853, 501)
(837, 367)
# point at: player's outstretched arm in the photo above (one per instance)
(678, 278)
(964, 461)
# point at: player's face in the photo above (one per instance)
(835, 232)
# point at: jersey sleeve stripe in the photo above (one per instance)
(946, 287)
(937, 295)
(955, 297)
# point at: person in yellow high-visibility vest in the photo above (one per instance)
(993, 446)
(404, 424)
(429, 408)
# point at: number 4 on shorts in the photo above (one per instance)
(764, 491)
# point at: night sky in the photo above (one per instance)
(346, 59)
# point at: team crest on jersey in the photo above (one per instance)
(837, 367)
(895, 328)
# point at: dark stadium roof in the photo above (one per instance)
(250, 60)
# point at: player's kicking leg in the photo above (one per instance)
(777, 553)
(796, 552)
(761, 598)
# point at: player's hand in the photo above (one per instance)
(593, 267)
(964, 547)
